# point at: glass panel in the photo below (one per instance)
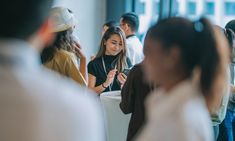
(148, 11)
(218, 11)
(229, 8)
(210, 8)
(191, 8)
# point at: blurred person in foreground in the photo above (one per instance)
(63, 54)
(227, 132)
(35, 105)
(134, 93)
(191, 81)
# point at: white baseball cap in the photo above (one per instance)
(62, 19)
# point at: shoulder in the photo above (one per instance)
(197, 119)
(95, 61)
(63, 53)
(136, 70)
(93, 66)
(128, 61)
(66, 99)
(48, 88)
(134, 40)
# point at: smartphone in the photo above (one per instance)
(126, 71)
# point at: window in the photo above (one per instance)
(156, 7)
(229, 8)
(210, 8)
(140, 7)
(191, 8)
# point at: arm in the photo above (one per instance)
(74, 73)
(99, 89)
(81, 55)
(91, 84)
(83, 67)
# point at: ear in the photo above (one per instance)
(45, 32)
(126, 27)
(43, 37)
(173, 57)
(105, 42)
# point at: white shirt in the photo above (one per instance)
(180, 115)
(134, 50)
(35, 105)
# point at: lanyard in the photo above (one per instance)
(105, 70)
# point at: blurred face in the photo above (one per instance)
(160, 65)
(114, 45)
(154, 60)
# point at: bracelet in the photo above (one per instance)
(104, 86)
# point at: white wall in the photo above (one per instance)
(91, 16)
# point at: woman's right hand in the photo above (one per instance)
(110, 77)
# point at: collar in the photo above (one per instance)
(129, 36)
(18, 53)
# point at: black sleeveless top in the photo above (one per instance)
(95, 68)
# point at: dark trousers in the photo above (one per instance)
(227, 127)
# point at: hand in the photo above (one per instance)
(110, 77)
(122, 78)
(78, 50)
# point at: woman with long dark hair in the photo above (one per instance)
(186, 60)
(62, 56)
(107, 71)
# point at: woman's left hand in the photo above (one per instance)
(122, 78)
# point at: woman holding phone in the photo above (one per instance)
(106, 71)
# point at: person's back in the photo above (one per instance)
(187, 120)
(35, 104)
(134, 92)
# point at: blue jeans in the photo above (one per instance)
(226, 128)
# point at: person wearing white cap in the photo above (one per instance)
(62, 55)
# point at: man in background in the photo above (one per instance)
(129, 23)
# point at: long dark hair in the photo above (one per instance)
(121, 59)
(64, 40)
(197, 43)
